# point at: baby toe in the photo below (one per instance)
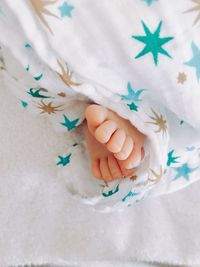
(96, 169)
(105, 130)
(105, 171)
(126, 149)
(114, 167)
(116, 141)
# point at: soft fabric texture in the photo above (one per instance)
(40, 223)
(110, 264)
(138, 58)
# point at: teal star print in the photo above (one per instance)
(153, 43)
(65, 10)
(35, 92)
(132, 106)
(133, 95)
(37, 78)
(69, 124)
(111, 192)
(130, 194)
(171, 159)
(195, 60)
(27, 45)
(24, 104)
(184, 172)
(190, 148)
(149, 2)
(64, 160)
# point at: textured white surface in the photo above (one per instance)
(114, 264)
(40, 224)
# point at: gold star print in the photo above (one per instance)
(62, 94)
(182, 77)
(133, 178)
(41, 10)
(159, 121)
(48, 108)
(157, 176)
(66, 76)
(197, 9)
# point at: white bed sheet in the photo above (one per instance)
(40, 224)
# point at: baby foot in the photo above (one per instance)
(103, 163)
(117, 134)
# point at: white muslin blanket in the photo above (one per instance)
(40, 223)
(138, 58)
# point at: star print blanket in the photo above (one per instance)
(138, 58)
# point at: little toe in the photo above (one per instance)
(105, 171)
(96, 169)
(114, 167)
(116, 141)
(105, 130)
(95, 115)
(126, 149)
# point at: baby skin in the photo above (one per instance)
(115, 146)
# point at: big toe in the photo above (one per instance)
(95, 115)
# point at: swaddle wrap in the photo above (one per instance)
(138, 58)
